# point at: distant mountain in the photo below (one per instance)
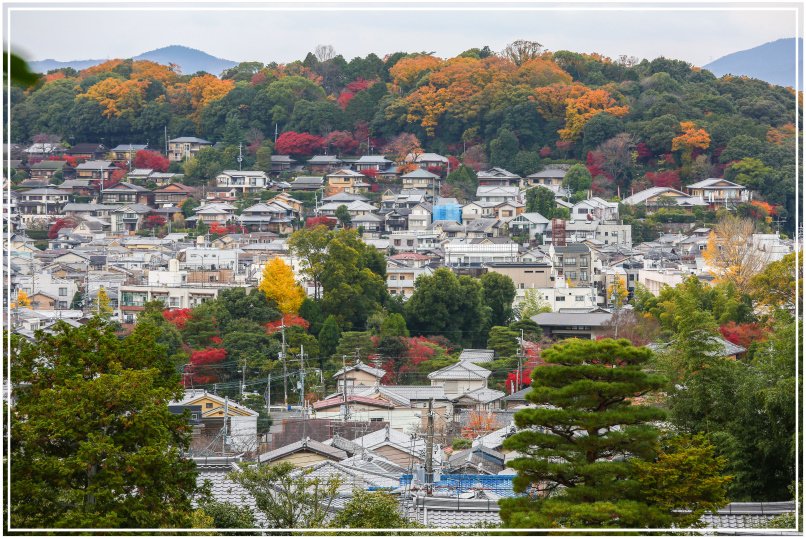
(772, 62)
(189, 61)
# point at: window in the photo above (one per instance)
(572, 275)
(63, 291)
(582, 211)
(208, 404)
(579, 298)
(373, 419)
(570, 262)
(583, 275)
(560, 298)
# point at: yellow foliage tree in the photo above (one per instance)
(102, 304)
(407, 71)
(731, 255)
(205, 89)
(617, 292)
(279, 285)
(22, 300)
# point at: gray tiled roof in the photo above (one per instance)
(475, 355)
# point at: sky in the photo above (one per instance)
(698, 36)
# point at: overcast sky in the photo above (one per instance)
(695, 36)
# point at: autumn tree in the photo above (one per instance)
(408, 71)
(152, 160)
(298, 144)
(405, 145)
(279, 285)
(691, 139)
(731, 255)
(775, 286)
(580, 110)
(22, 299)
(103, 306)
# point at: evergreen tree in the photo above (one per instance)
(577, 444)
(499, 293)
(92, 441)
(329, 337)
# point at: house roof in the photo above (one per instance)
(420, 173)
(646, 194)
(127, 147)
(174, 187)
(282, 159)
(549, 173)
(532, 217)
(306, 444)
(188, 139)
(48, 165)
(96, 165)
(496, 190)
(377, 373)
(308, 180)
(460, 371)
(345, 172)
(324, 160)
(353, 398)
(497, 172)
(373, 159)
(86, 147)
(484, 395)
(476, 355)
(427, 157)
(712, 182)
(572, 319)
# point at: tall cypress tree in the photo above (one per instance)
(577, 444)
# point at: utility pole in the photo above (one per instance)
(285, 369)
(302, 378)
(268, 393)
(429, 450)
(518, 374)
(226, 417)
(275, 133)
(240, 156)
(243, 378)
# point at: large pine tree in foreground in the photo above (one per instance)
(589, 449)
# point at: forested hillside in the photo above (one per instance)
(634, 124)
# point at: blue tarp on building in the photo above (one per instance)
(498, 484)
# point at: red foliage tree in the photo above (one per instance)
(69, 159)
(667, 178)
(743, 334)
(58, 224)
(198, 371)
(154, 221)
(453, 162)
(342, 141)
(117, 176)
(595, 164)
(439, 171)
(312, 222)
(644, 153)
(370, 173)
(294, 143)
(511, 384)
(177, 317)
(545, 151)
(287, 320)
(151, 159)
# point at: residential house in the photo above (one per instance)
(127, 193)
(595, 208)
(308, 183)
(359, 374)
(524, 275)
(460, 378)
(347, 181)
(281, 163)
(402, 271)
(268, 217)
(126, 152)
(44, 149)
(164, 178)
(420, 217)
(90, 151)
(324, 163)
(173, 194)
(566, 324)
(494, 193)
(215, 410)
(427, 160)
(499, 177)
(213, 213)
(371, 225)
(478, 251)
(551, 178)
(246, 181)
(47, 170)
(42, 201)
(287, 201)
(532, 224)
(302, 454)
(719, 192)
(577, 231)
(95, 170)
(663, 197)
(129, 218)
(420, 179)
(447, 209)
(373, 162)
(140, 174)
(355, 208)
(82, 211)
(389, 174)
(573, 264)
(181, 148)
(134, 297)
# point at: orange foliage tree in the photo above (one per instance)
(103, 67)
(146, 69)
(580, 110)
(479, 424)
(118, 97)
(408, 71)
